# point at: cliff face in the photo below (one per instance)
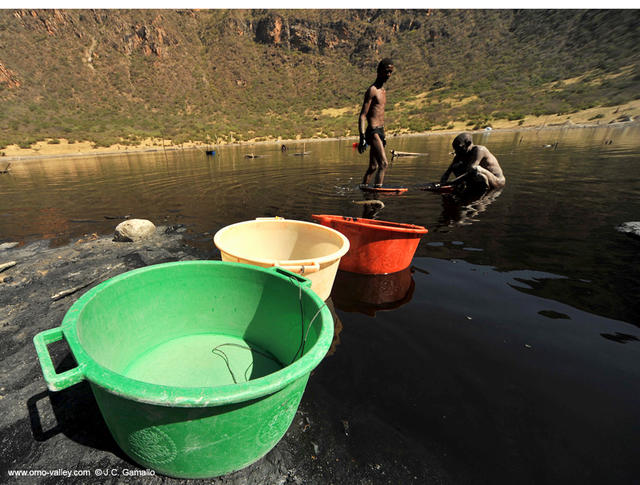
(308, 37)
(193, 72)
(8, 78)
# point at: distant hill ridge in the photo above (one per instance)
(104, 75)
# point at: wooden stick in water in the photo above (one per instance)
(8, 265)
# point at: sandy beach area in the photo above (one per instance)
(599, 116)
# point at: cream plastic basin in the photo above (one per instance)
(305, 248)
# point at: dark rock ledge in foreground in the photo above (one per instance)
(42, 430)
(64, 431)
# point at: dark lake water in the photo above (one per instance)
(512, 344)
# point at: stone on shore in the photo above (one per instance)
(134, 230)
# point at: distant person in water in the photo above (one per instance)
(474, 166)
(372, 117)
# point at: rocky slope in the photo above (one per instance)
(201, 75)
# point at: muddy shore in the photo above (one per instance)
(584, 119)
(64, 431)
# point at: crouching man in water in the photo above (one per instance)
(372, 116)
(475, 167)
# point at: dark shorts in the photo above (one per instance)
(368, 135)
(473, 186)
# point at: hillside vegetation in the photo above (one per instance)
(112, 76)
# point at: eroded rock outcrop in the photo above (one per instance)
(8, 78)
(273, 30)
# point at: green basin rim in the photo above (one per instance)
(173, 396)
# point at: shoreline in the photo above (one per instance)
(45, 150)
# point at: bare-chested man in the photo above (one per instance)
(372, 116)
(474, 166)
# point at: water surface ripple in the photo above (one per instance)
(513, 343)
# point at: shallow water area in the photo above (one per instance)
(508, 352)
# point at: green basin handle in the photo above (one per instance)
(306, 282)
(55, 381)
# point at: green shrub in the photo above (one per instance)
(26, 143)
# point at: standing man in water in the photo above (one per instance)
(474, 166)
(372, 116)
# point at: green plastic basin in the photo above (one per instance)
(197, 367)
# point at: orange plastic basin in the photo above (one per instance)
(376, 247)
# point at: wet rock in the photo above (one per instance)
(632, 228)
(175, 228)
(155, 256)
(134, 230)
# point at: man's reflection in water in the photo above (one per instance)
(370, 211)
(461, 209)
(370, 206)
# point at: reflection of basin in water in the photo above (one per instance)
(355, 292)
(337, 327)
